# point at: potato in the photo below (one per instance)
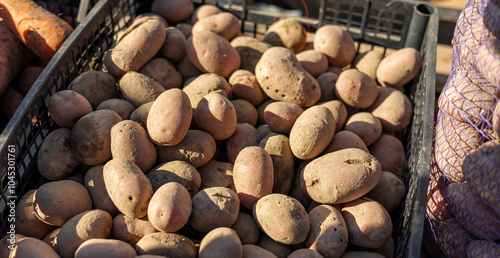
(278, 147)
(368, 62)
(173, 11)
(390, 191)
(216, 173)
(129, 140)
(283, 79)
(282, 218)
(56, 160)
(305, 253)
(139, 89)
(312, 132)
(356, 89)
(390, 152)
(483, 249)
(216, 115)
(140, 114)
(287, 33)
(344, 140)
(95, 86)
(9, 240)
(136, 48)
(328, 234)
(336, 44)
(94, 182)
(341, 176)
(105, 247)
(245, 86)
(335, 70)
(187, 69)
(399, 68)
(32, 247)
(131, 230)
(314, 62)
(472, 213)
(163, 71)
(250, 51)
(280, 250)
(204, 11)
(280, 116)
(120, 106)
(205, 84)
(82, 227)
(253, 175)
(224, 24)
(91, 139)
(170, 207)
(166, 244)
(26, 221)
(221, 241)
(212, 53)
(253, 251)
(338, 110)
(392, 108)
(297, 191)
(452, 239)
(128, 187)
(261, 109)
(57, 202)
(437, 207)
(366, 126)
(496, 120)
(197, 148)
(368, 223)
(214, 207)
(174, 47)
(169, 118)
(263, 130)
(361, 254)
(138, 21)
(67, 106)
(327, 83)
(245, 112)
(247, 229)
(245, 135)
(51, 238)
(175, 171)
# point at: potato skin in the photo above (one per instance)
(253, 175)
(56, 160)
(399, 68)
(327, 83)
(278, 147)
(67, 106)
(120, 106)
(214, 207)
(94, 182)
(203, 12)
(253, 251)
(338, 110)
(390, 152)
(245, 86)
(170, 207)
(174, 47)
(454, 239)
(368, 62)
(131, 230)
(32, 247)
(392, 108)
(483, 248)
(278, 249)
(314, 62)
(216, 115)
(224, 24)
(27, 223)
(221, 241)
(163, 71)
(390, 191)
(105, 247)
(287, 33)
(245, 135)
(343, 140)
(340, 176)
(246, 228)
(280, 116)
(356, 89)
(166, 244)
(336, 44)
(169, 118)
(328, 234)
(175, 171)
(139, 89)
(173, 11)
(140, 114)
(250, 51)
(128, 187)
(282, 218)
(95, 86)
(216, 173)
(305, 253)
(366, 126)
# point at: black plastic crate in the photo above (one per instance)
(377, 23)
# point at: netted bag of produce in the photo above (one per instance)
(463, 208)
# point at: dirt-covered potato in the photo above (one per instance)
(32, 247)
(393, 108)
(336, 44)
(366, 126)
(203, 12)
(343, 140)
(26, 221)
(170, 207)
(280, 116)
(174, 47)
(140, 114)
(261, 108)
(399, 68)
(305, 253)
(245, 86)
(287, 33)
(173, 11)
(214, 207)
(175, 171)
(314, 62)
(205, 84)
(327, 83)
(217, 115)
(95, 86)
(328, 234)
(106, 248)
(250, 50)
(166, 244)
(66, 107)
(57, 202)
(282, 218)
(356, 89)
(139, 89)
(6, 241)
(278, 249)
(131, 230)
(216, 173)
(120, 106)
(222, 242)
(245, 112)
(187, 69)
(253, 251)
(390, 191)
(390, 152)
(245, 135)
(94, 182)
(338, 110)
(163, 71)
(247, 229)
(368, 62)
(56, 160)
(224, 24)
(278, 147)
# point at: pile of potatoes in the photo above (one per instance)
(195, 140)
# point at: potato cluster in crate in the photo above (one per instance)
(195, 140)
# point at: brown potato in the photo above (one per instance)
(170, 207)
(338, 110)
(343, 140)
(483, 249)
(280, 116)
(305, 253)
(452, 239)
(368, 62)
(173, 11)
(175, 171)
(250, 50)
(328, 234)
(247, 229)
(166, 244)
(356, 89)
(187, 69)
(95, 86)
(297, 191)
(222, 242)
(7, 241)
(56, 160)
(214, 207)
(94, 182)
(327, 83)
(32, 247)
(120, 106)
(263, 131)
(253, 251)
(314, 62)
(26, 221)
(261, 108)
(278, 147)
(174, 47)
(361, 254)
(205, 84)
(366, 126)
(437, 207)
(51, 238)
(245, 86)
(204, 11)
(336, 44)
(216, 115)
(106, 248)
(287, 33)
(245, 135)
(216, 173)
(390, 152)
(245, 112)
(163, 71)
(140, 114)
(139, 89)
(390, 191)
(66, 107)
(280, 250)
(393, 108)
(224, 24)
(399, 68)
(131, 230)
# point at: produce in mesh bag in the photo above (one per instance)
(452, 238)
(488, 60)
(437, 207)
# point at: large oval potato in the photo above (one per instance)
(32, 247)
(170, 207)
(214, 207)
(341, 176)
(95, 86)
(280, 116)
(105, 247)
(399, 68)
(336, 44)
(163, 71)
(247, 229)
(175, 171)
(245, 135)
(26, 221)
(390, 152)
(328, 234)
(56, 160)
(278, 147)
(454, 239)
(224, 24)
(250, 50)
(67, 106)
(366, 126)
(393, 108)
(166, 244)
(216, 115)
(245, 86)
(94, 182)
(222, 242)
(131, 230)
(356, 89)
(287, 33)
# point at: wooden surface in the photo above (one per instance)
(454, 4)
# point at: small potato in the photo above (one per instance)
(338, 110)
(278, 147)
(170, 207)
(95, 86)
(120, 106)
(287, 33)
(250, 50)
(245, 135)
(368, 62)
(66, 107)
(169, 118)
(166, 244)
(312, 132)
(214, 207)
(453, 239)
(82, 227)
(368, 223)
(203, 12)
(261, 109)
(105, 247)
(56, 160)
(280, 116)
(163, 71)
(356, 89)
(175, 171)
(253, 175)
(314, 62)
(253, 251)
(305, 253)
(139, 89)
(224, 24)
(328, 234)
(390, 152)
(245, 86)
(131, 230)
(341, 176)
(197, 148)
(245, 112)
(187, 69)
(174, 47)
(91, 137)
(263, 131)
(222, 242)
(128, 187)
(247, 229)
(327, 83)
(26, 221)
(33, 248)
(216, 115)
(57, 202)
(94, 182)
(218, 55)
(280, 250)
(173, 11)
(399, 68)
(483, 248)
(205, 84)
(51, 238)
(185, 28)
(129, 140)
(282, 218)
(297, 191)
(343, 140)
(336, 44)
(361, 254)
(216, 173)
(366, 126)
(390, 191)
(140, 114)
(392, 108)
